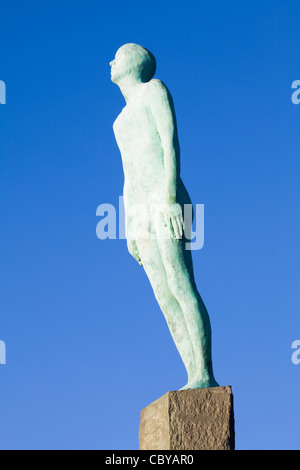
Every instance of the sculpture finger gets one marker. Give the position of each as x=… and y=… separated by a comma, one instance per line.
x=176, y=228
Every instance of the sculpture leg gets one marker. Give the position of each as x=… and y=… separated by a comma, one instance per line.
x=178, y=267
x=154, y=268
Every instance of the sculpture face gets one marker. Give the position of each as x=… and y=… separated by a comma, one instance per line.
x=121, y=65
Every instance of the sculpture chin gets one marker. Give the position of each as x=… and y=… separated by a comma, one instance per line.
x=114, y=78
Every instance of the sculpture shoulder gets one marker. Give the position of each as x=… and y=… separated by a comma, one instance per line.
x=156, y=89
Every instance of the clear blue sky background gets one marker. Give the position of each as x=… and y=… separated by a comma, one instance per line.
x=87, y=346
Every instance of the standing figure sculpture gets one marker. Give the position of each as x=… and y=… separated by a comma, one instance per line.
x=146, y=134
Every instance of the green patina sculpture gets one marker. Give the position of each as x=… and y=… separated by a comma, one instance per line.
x=146, y=133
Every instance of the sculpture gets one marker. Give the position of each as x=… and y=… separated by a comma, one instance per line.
x=146, y=134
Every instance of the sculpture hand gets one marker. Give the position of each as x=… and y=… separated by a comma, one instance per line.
x=132, y=248
x=173, y=218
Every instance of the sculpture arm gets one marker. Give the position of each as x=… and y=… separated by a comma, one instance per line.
x=162, y=110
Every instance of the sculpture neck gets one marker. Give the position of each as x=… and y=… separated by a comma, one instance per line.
x=128, y=86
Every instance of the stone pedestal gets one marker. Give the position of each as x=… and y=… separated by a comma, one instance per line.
x=200, y=419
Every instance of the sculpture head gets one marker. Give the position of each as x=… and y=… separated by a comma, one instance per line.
x=132, y=59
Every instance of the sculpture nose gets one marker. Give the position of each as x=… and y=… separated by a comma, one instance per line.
x=111, y=63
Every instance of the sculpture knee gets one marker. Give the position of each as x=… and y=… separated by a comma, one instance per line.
x=181, y=288
x=176, y=279
x=163, y=295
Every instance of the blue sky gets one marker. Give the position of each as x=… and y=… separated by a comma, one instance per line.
x=87, y=346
